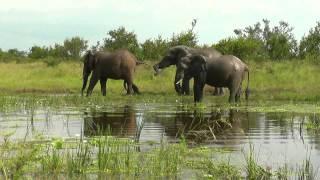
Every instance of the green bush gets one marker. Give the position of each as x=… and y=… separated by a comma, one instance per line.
x=310, y=44
x=244, y=48
x=51, y=61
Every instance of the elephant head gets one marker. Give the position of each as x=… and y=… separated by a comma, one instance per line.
x=173, y=57
x=196, y=67
x=88, y=66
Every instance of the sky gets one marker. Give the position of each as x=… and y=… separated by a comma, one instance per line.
x=24, y=23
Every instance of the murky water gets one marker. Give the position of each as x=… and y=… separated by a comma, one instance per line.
x=277, y=138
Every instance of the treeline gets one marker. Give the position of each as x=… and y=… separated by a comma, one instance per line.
x=257, y=42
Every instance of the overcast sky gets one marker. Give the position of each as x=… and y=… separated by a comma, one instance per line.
x=24, y=23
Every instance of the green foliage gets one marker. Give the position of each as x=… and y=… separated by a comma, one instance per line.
x=188, y=38
x=75, y=46
x=16, y=53
x=58, y=51
x=37, y=52
x=254, y=42
x=244, y=48
x=154, y=49
x=121, y=39
x=310, y=44
x=280, y=42
x=51, y=62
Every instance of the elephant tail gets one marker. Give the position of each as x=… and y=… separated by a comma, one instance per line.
x=247, y=88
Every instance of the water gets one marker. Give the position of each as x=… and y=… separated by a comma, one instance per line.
x=277, y=138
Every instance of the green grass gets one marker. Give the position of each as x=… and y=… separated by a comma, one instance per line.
x=286, y=80
x=110, y=157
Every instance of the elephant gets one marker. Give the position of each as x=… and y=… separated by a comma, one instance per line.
x=225, y=71
x=109, y=65
x=174, y=56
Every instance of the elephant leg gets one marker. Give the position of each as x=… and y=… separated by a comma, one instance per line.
x=103, y=84
x=185, y=86
x=93, y=81
x=218, y=91
x=135, y=89
x=234, y=90
x=198, y=90
x=232, y=95
x=129, y=83
x=238, y=94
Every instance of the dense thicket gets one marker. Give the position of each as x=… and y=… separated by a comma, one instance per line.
x=257, y=42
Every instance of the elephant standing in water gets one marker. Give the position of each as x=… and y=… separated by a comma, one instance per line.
x=174, y=57
x=104, y=65
x=225, y=71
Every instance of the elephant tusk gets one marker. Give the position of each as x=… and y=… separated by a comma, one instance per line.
x=178, y=82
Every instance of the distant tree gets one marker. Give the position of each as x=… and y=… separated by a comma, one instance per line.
x=37, y=52
x=154, y=49
x=281, y=43
x=252, y=32
x=75, y=46
x=278, y=42
x=58, y=51
x=187, y=38
x=310, y=44
x=121, y=39
x=16, y=53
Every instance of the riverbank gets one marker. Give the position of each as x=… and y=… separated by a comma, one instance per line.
x=286, y=80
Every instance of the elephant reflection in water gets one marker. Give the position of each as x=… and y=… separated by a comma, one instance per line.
x=121, y=124
x=203, y=127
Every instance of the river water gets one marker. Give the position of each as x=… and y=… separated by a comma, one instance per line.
x=276, y=138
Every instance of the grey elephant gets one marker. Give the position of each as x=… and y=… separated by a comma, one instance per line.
x=225, y=71
x=174, y=57
x=106, y=65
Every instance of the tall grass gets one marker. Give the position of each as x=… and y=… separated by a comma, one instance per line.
x=285, y=80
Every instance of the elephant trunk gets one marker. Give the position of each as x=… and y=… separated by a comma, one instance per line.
x=85, y=80
x=199, y=82
x=156, y=69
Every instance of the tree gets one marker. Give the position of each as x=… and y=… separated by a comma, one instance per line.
x=58, y=51
x=121, y=39
x=16, y=53
x=310, y=44
x=37, y=52
x=279, y=43
x=75, y=46
x=187, y=38
x=154, y=49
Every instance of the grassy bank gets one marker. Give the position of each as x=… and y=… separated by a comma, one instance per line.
x=287, y=80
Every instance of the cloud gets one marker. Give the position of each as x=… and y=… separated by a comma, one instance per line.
x=45, y=22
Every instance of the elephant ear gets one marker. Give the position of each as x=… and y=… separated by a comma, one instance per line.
x=201, y=61
x=92, y=60
x=185, y=62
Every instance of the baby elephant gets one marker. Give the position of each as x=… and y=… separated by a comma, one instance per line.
x=225, y=71
x=106, y=65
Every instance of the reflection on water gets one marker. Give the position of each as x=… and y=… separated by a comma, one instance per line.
x=277, y=137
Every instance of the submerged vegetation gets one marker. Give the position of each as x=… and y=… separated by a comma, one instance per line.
x=107, y=157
